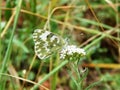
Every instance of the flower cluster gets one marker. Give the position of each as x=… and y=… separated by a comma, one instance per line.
x=71, y=51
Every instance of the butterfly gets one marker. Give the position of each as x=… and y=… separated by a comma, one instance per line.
x=46, y=43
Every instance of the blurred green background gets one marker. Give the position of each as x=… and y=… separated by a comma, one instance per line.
x=89, y=24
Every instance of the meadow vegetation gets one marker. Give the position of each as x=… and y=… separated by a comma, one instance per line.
x=93, y=25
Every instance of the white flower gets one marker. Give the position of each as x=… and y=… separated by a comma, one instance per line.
x=71, y=51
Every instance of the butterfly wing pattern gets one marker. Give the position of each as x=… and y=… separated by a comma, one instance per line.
x=46, y=43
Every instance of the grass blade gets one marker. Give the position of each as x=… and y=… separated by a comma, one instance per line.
x=11, y=38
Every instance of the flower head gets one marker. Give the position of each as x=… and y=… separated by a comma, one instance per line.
x=71, y=51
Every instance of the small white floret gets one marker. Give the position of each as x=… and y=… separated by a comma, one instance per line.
x=71, y=50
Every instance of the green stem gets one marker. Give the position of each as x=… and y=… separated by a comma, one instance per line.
x=54, y=78
x=11, y=38
x=0, y=29
x=50, y=74
x=94, y=42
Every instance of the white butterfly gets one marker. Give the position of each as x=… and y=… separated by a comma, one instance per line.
x=46, y=43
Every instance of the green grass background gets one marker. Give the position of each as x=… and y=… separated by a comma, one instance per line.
x=89, y=24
